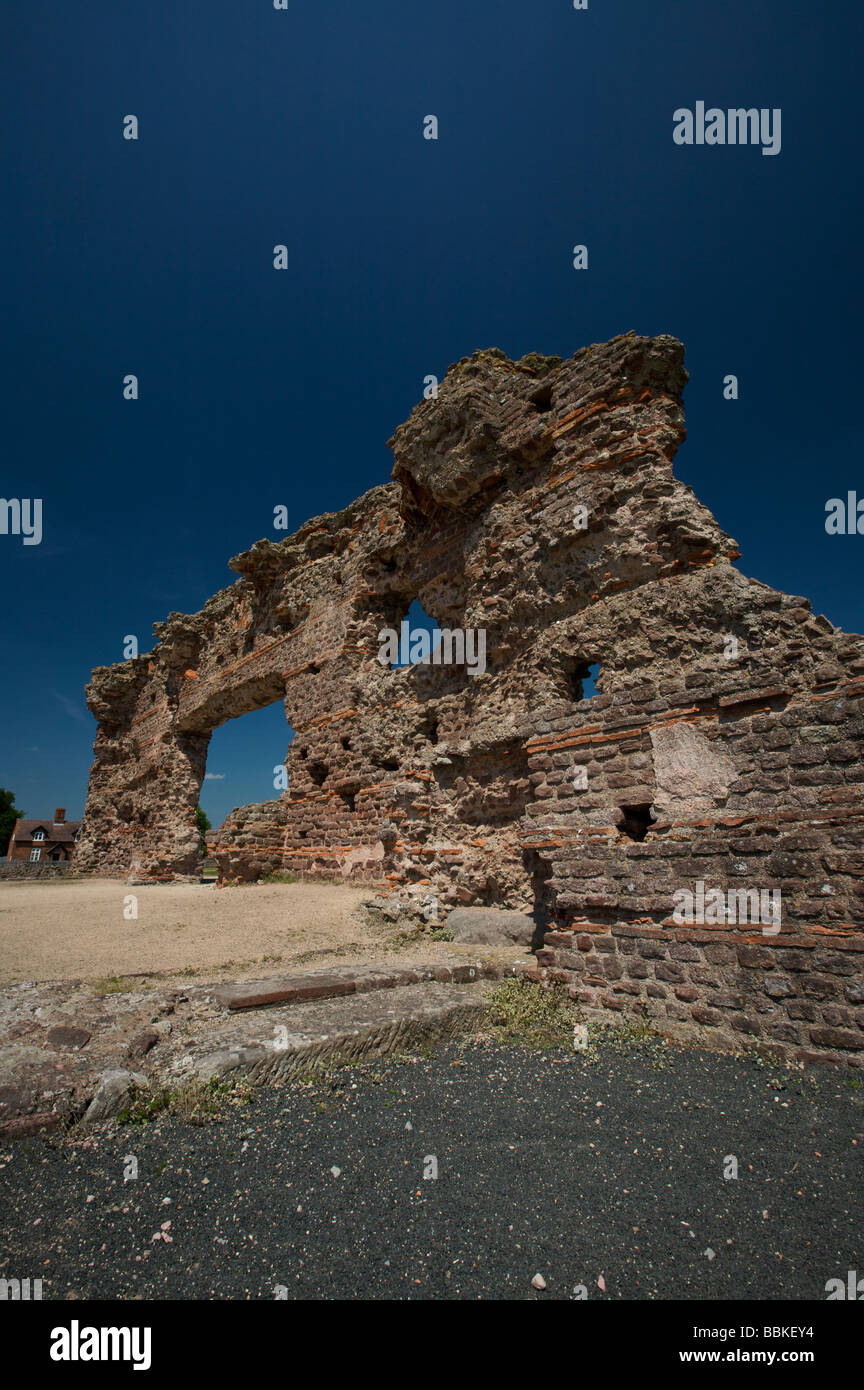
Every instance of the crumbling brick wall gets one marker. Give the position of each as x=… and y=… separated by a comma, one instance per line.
x=534, y=500
x=750, y=771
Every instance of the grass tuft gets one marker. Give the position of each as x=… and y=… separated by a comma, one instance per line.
x=197, y=1102
x=531, y=1016
x=116, y=984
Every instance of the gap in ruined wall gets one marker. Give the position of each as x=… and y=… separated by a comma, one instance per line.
x=581, y=679
x=419, y=621
x=388, y=612
x=588, y=680
x=241, y=759
x=318, y=771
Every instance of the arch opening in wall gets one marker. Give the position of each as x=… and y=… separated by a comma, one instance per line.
x=243, y=756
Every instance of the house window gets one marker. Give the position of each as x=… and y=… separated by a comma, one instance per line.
x=35, y=854
x=39, y=835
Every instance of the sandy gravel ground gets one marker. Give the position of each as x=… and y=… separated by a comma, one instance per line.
x=76, y=930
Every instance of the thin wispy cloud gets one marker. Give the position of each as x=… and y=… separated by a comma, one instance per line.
x=71, y=707
x=214, y=776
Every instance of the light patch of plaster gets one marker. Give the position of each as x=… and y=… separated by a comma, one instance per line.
x=692, y=774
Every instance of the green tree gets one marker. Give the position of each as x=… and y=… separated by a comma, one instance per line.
x=203, y=826
x=9, y=813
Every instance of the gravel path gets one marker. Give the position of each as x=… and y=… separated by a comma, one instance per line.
x=607, y=1167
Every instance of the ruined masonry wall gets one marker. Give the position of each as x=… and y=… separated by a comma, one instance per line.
x=723, y=746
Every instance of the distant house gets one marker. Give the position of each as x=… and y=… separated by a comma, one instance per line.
x=44, y=841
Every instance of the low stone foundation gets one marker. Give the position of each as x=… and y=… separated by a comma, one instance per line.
x=800, y=998
x=22, y=868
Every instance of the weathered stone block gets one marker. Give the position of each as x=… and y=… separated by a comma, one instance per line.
x=478, y=926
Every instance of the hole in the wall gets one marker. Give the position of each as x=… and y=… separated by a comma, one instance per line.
x=429, y=728
x=242, y=756
x=582, y=680
x=416, y=635
x=386, y=764
x=318, y=772
x=589, y=681
x=346, y=744
x=350, y=799
x=636, y=820
x=542, y=399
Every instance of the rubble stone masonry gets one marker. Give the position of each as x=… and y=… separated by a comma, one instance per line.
x=723, y=746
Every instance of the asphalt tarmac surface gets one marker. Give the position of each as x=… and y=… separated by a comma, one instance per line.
x=462, y=1175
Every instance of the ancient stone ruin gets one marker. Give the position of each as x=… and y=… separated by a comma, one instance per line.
x=534, y=501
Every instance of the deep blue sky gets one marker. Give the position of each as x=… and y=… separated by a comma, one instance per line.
x=260, y=387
